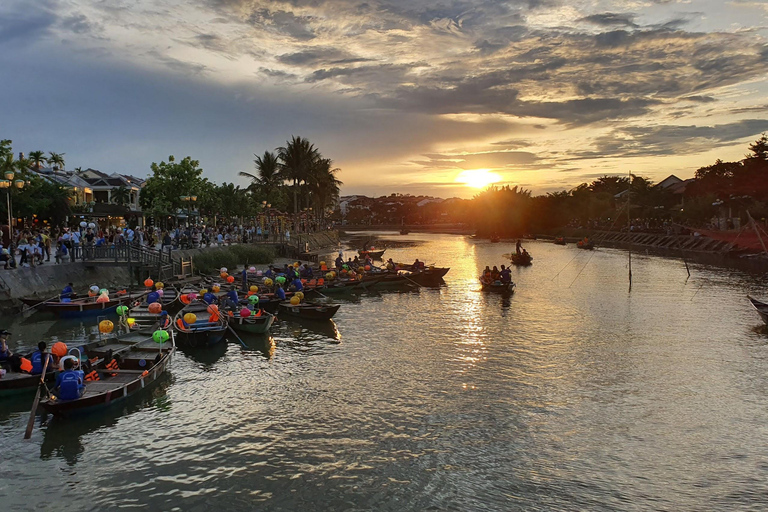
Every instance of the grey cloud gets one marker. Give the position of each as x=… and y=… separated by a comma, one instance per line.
x=78, y=23
x=672, y=139
x=611, y=19
x=283, y=22
x=25, y=27
x=317, y=56
x=177, y=65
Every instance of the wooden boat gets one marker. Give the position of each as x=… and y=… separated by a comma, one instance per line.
x=559, y=241
x=523, y=259
x=20, y=382
x=495, y=239
x=588, y=245
x=141, y=363
x=254, y=324
x=404, y=231
x=204, y=332
x=760, y=307
x=309, y=311
x=375, y=255
x=431, y=276
x=88, y=306
x=145, y=320
x=497, y=286
x=394, y=281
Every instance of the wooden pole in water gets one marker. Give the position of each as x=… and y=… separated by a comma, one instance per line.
x=629, y=228
x=31, y=422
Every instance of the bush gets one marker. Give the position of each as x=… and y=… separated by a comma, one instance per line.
x=211, y=260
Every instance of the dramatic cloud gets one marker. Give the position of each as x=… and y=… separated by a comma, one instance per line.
x=596, y=83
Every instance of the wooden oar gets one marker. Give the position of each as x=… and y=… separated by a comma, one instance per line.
x=31, y=422
x=28, y=308
x=236, y=336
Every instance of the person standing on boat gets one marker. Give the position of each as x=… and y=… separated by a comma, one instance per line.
x=38, y=359
x=279, y=292
x=70, y=382
x=339, y=262
x=519, y=247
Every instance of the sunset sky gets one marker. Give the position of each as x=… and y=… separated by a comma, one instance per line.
x=432, y=96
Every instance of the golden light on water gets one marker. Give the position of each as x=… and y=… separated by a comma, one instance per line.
x=477, y=178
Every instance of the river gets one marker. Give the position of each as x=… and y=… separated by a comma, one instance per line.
x=572, y=394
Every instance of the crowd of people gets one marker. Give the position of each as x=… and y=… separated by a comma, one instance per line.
x=29, y=247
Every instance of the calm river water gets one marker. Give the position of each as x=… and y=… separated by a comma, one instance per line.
x=573, y=394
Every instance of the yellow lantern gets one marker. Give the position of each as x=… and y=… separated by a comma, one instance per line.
x=106, y=326
x=300, y=295
x=215, y=288
x=159, y=285
x=130, y=322
x=295, y=301
x=254, y=288
x=190, y=318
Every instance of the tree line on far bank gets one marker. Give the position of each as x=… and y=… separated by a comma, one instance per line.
x=723, y=189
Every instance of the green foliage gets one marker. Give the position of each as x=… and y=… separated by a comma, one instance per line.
x=169, y=182
x=120, y=195
x=210, y=260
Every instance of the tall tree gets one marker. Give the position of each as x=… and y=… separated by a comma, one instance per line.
x=325, y=186
x=267, y=177
x=56, y=160
x=297, y=158
x=170, y=181
x=37, y=158
x=120, y=195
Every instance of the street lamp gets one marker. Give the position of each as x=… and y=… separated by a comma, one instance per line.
x=6, y=184
x=188, y=200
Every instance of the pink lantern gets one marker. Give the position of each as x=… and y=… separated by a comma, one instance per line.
x=192, y=296
x=245, y=312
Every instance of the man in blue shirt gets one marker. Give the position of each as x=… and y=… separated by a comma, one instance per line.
x=67, y=292
x=279, y=292
x=297, y=286
x=38, y=360
x=70, y=383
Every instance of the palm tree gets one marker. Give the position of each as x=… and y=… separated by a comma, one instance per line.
x=56, y=160
x=268, y=177
x=120, y=195
x=325, y=186
x=296, y=161
x=37, y=158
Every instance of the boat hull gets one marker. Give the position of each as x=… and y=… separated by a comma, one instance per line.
x=309, y=311
x=252, y=325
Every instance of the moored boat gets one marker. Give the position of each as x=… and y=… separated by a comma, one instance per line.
x=761, y=308
x=207, y=329
x=309, y=311
x=124, y=366
x=87, y=306
x=375, y=255
x=257, y=323
x=559, y=241
x=585, y=244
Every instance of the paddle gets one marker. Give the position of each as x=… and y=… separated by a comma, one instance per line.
x=236, y=336
x=31, y=422
x=43, y=302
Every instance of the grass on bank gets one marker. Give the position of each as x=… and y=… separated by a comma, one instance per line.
x=210, y=261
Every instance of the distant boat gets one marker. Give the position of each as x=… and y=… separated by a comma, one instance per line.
x=404, y=231
x=559, y=241
x=495, y=239
x=586, y=244
x=761, y=308
x=523, y=259
x=497, y=286
x=375, y=255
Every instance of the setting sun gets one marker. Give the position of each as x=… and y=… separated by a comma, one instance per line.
x=478, y=178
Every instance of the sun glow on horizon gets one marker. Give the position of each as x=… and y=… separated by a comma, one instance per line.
x=477, y=178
